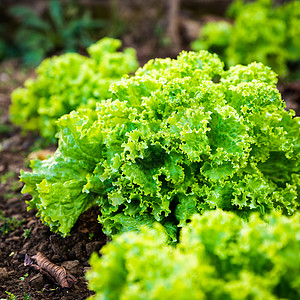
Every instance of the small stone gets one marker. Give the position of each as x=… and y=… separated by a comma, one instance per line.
x=37, y=282
x=70, y=264
x=92, y=247
x=3, y=273
x=78, y=250
x=73, y=266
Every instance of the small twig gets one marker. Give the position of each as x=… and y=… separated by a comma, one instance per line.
x=46, y=267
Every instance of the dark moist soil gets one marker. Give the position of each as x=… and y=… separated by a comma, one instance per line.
x=21, y=232
x=71, y=252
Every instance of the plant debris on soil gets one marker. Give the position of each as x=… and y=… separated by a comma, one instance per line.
x=56, y=273
x=22, y=234
x=71, y=253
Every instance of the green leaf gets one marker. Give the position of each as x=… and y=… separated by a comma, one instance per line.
x=56, y=185
x=29, y=18
x=55, y=10
x=219, y=256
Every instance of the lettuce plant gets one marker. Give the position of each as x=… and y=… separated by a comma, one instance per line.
x=260, y=32
x=219, y=256
x=68, y=82
x=181, y=136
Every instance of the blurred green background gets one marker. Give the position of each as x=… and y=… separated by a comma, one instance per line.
x=31, y=30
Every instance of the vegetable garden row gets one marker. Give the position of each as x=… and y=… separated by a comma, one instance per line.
x=194, y=163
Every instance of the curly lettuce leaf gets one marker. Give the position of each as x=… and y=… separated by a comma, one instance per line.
x=56, y=186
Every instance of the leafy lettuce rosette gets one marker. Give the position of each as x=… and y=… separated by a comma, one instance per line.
x=68, y=82
x=180, y=137
x=219, y=256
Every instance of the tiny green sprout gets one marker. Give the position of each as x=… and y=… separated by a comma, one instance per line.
x=11, y=296
x=8, y=225
x=91, y=235
x=26, y=297
x=23, y=277
x=27, y=232
x=6, y=176
x=41, y=291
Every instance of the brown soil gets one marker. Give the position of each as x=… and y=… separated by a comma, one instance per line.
x=291, y=94
x=21, y=232
x=71, y=252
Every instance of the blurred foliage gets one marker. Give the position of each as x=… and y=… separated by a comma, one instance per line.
x=7, y=225
x=63, y=26
x=68, y=82
x=261, y=31
x=219, y=257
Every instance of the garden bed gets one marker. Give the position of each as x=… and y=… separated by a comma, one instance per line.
x=22, y=232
